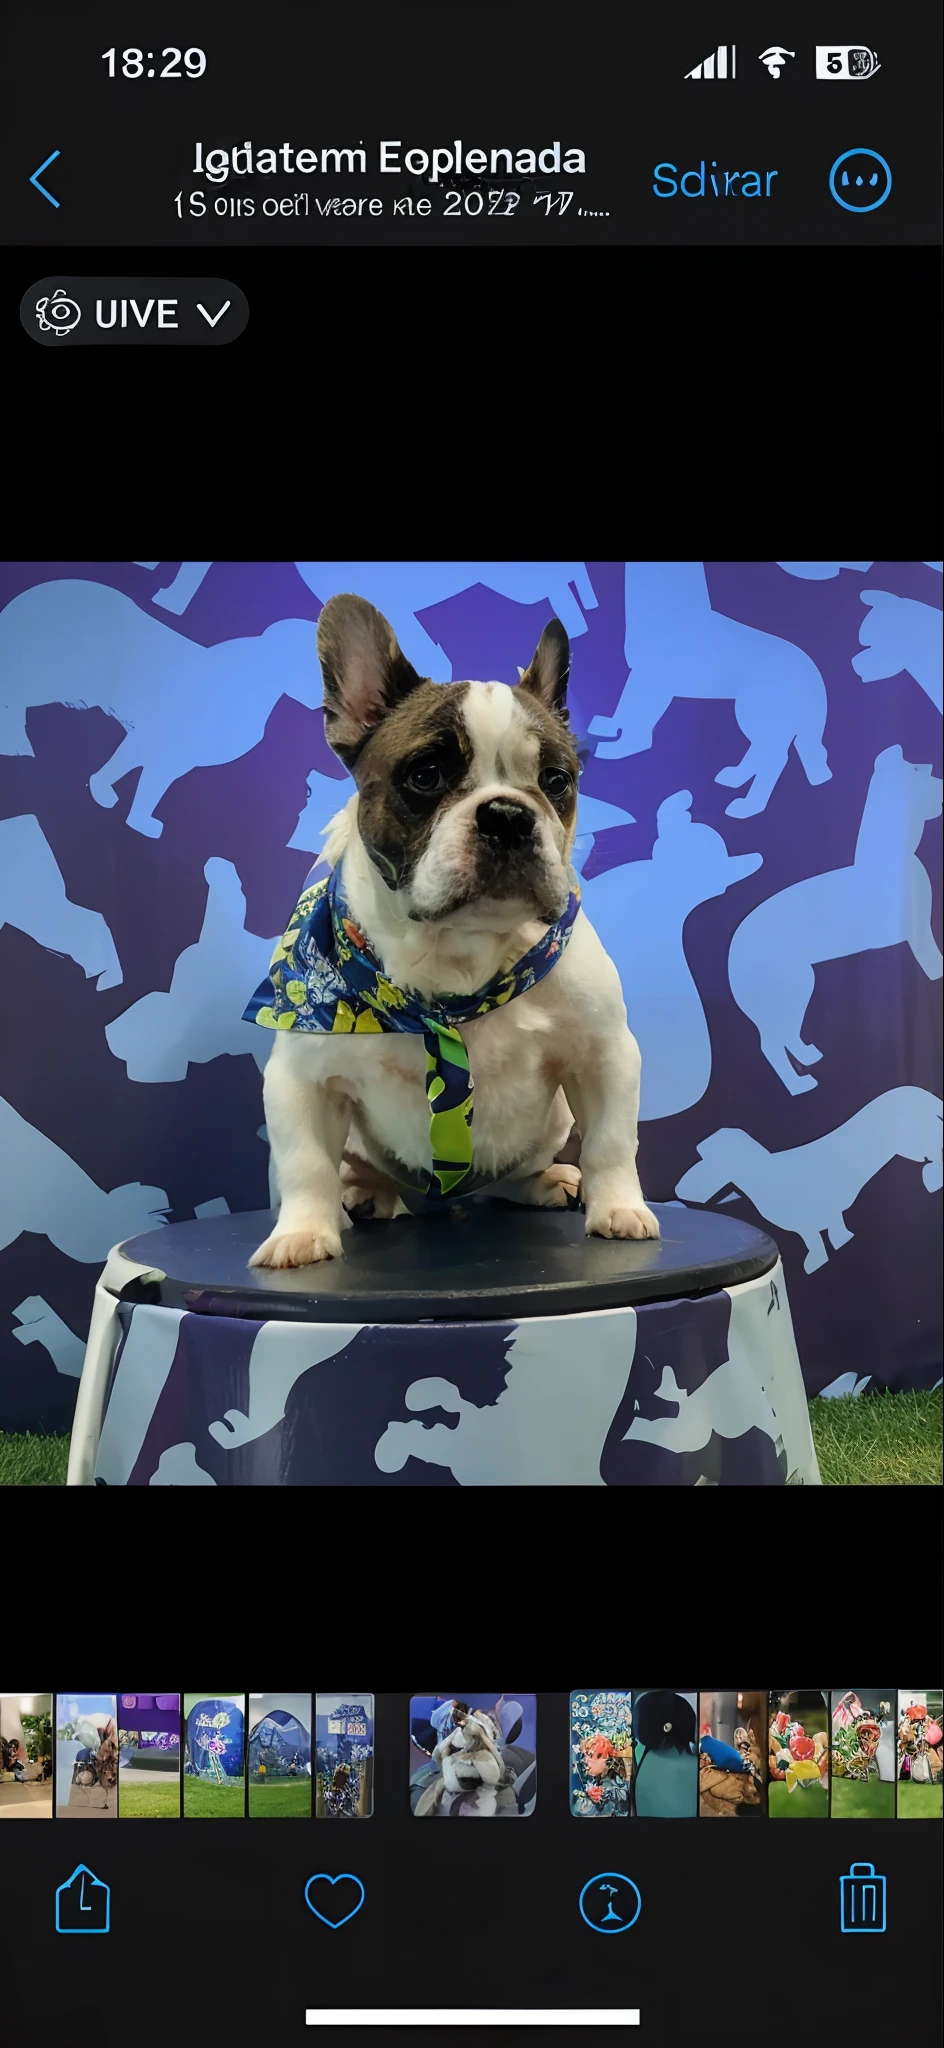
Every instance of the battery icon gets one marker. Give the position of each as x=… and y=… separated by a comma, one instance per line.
x=862, y=1901
x=849, y=61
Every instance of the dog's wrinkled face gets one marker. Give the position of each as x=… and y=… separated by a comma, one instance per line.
x=467, y=791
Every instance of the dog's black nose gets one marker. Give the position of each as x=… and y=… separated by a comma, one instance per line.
x=505, y=821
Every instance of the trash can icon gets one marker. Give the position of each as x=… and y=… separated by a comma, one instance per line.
x=862, y=1900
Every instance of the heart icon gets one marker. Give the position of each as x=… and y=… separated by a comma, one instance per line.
x=335, y=1907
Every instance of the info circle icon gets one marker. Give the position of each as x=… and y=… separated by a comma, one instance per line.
x=610, y=1903
x=860, y=180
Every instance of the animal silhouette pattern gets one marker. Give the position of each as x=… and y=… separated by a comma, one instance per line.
x=759, y=847
x=33, y=897
x=639, y=911
x=42, y=1189
x=678, y=645
x=808, y=1188
x=883, y=899
x=199, y=1017
x=39, y=1324
x=522, y=1414
x=899, y=635
x=184, y=706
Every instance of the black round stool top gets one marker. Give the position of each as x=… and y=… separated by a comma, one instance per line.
x=488, y=1259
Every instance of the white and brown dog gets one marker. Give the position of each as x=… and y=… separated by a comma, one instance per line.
x=455, y=854
x=470, y=1760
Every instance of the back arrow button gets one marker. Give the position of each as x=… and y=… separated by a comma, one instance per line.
x=37, y=174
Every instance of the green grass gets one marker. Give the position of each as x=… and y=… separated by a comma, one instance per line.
x=920, y=1802
x=878, y=1439
x=854, y=1800
x=872, y=1440
x=290, y=1797
x=213, y=1802
x=33, y=1460
x=155, y=1799
x=799, y=1804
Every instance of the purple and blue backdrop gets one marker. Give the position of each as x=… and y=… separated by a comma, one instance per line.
x=153, y=1717
x=760, y=841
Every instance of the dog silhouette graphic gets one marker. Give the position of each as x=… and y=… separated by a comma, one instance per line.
x=402, y=589
x=200, y=1016
x=548, y=1425
x=33, y=898
x=43, y=1190
x=639, y=912
x=807, y=1188
x=883, y=899
x=677, y=646
x=279, y=1357
x=39, y=1324
x=184, y=706
x=899, y=635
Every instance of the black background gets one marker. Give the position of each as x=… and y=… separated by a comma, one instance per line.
x=747, y=403
x=738, y=1933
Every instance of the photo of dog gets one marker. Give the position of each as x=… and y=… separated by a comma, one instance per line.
x=472, y=1757
x=454, y=857
x=86, y=1756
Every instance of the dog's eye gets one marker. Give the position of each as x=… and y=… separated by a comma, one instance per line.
x=555, y=782
x=425, y=776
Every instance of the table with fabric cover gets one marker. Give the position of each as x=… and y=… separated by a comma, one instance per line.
x=487, y=1346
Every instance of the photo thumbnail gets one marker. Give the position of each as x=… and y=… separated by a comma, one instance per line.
x=86, y=1756
x=732, y=1773
x=214, y=1755
x=920, y=1790
x=665, y=1774
x=601, y=1754
x=473, y=1754
x=280, y=1755
x=344, y=1742
x=25, y=1756
x=862, y=1755
x=798, y=1756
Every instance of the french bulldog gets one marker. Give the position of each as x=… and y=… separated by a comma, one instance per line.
x=455, y=853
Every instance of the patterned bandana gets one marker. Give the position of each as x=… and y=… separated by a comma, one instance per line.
x=324, y=977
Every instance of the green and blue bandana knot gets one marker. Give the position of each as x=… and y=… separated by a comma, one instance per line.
x=323, y=976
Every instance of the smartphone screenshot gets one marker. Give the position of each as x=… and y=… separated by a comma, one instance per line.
x=470, y=1014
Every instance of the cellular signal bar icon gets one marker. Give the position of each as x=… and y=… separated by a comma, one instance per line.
x=717, y=66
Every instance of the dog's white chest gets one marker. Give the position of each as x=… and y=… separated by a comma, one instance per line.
x=514, y=1085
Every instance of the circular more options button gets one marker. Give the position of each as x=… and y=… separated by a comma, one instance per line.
x=73, y=312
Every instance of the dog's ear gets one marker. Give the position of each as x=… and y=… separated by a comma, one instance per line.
x=365, y=672
x=550, y=667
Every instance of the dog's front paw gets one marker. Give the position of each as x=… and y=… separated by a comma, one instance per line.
x=375, y=1203
x=612, y=1219
x=299, y=1247
x=558, y=1187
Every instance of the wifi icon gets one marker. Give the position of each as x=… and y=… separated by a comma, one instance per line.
x=775, y=58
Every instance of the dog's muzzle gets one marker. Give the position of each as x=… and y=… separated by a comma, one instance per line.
x=505, y=824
